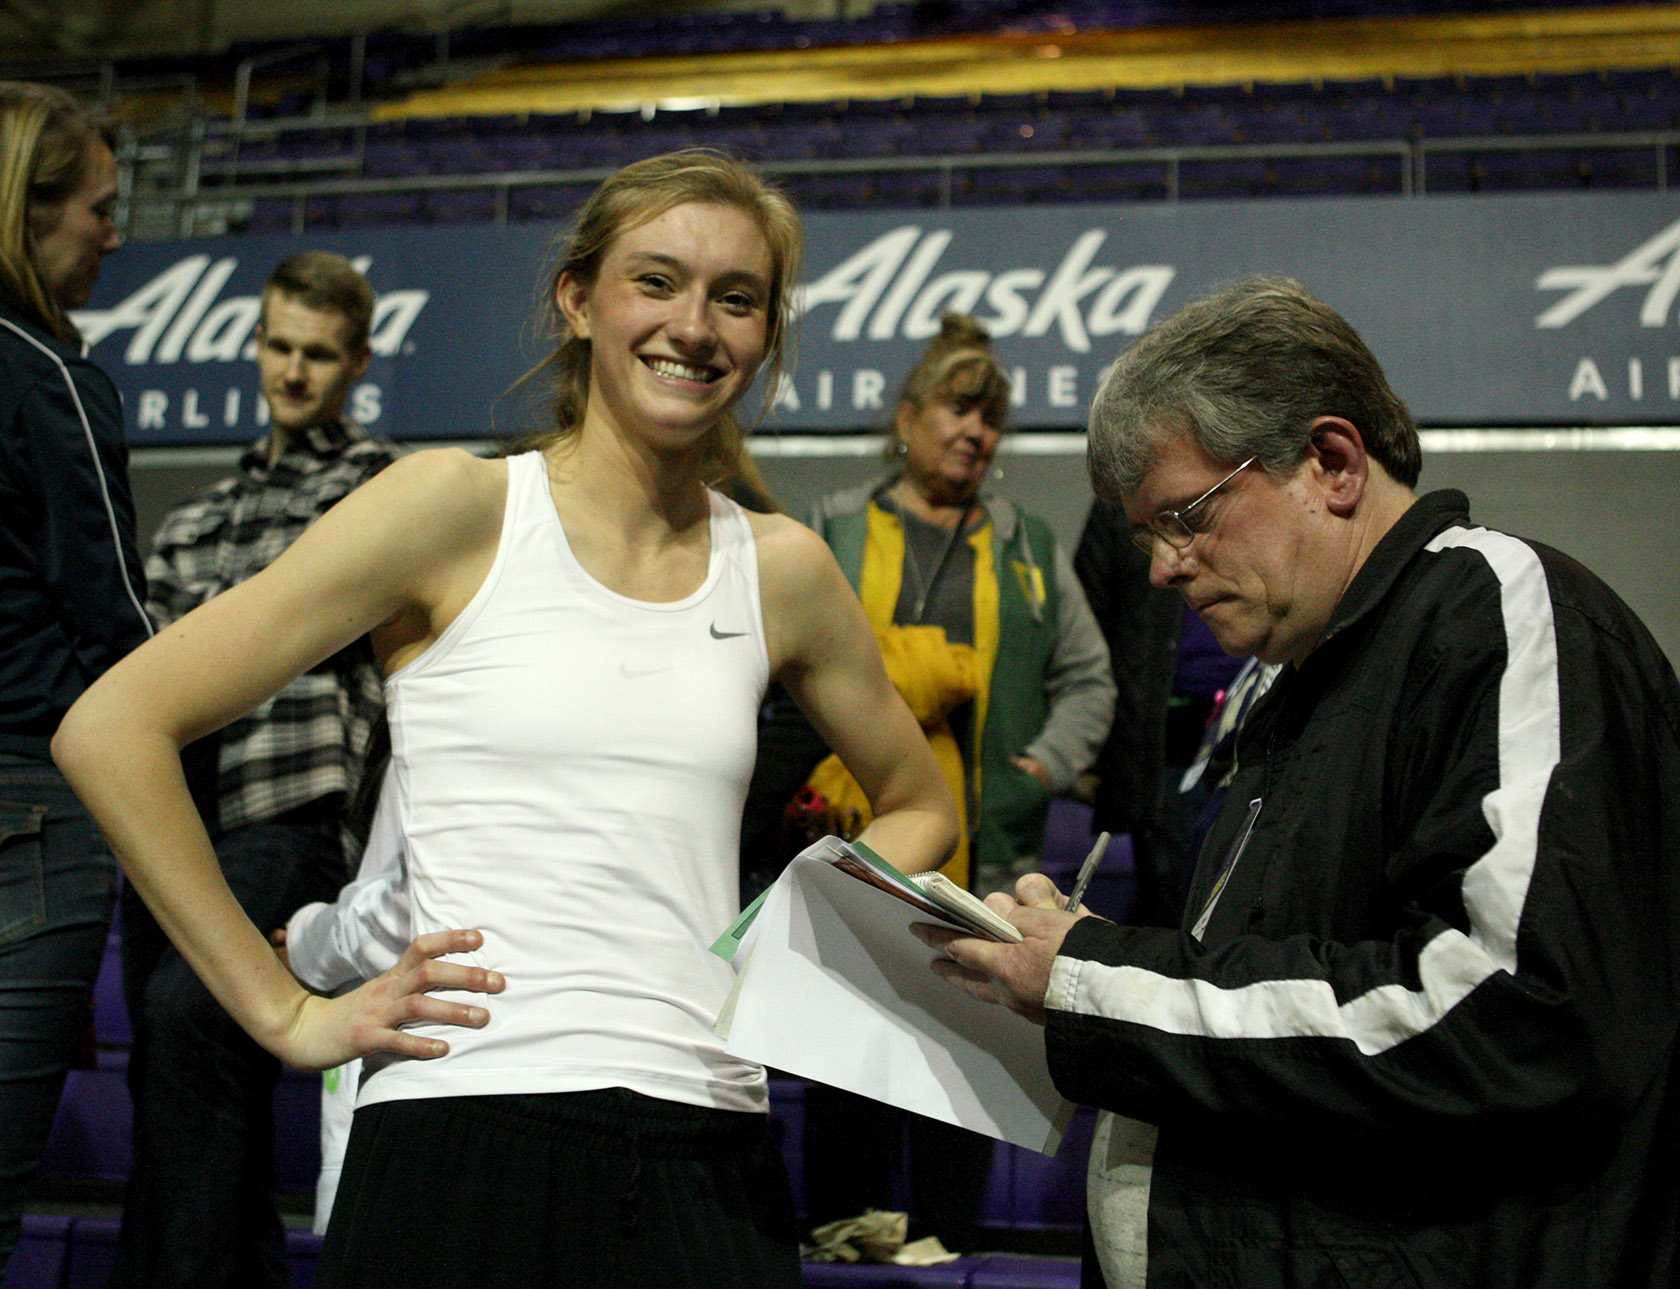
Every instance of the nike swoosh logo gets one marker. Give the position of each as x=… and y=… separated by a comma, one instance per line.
x=725, y=635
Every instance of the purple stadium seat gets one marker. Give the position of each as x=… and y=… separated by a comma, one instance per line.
x=90, y=1140
x=457, y=152
x=926, y=105
x=90, y=1135
x=1446, y=172
x=869, y=135
x=813, y=109
x=460, y=205
x=1078, y=101
x=1311, y=176
x=110, y=1015
x=297, y=1131
x=1067, y=840
x=42, y=1250
x=1197, y=123
x=830, y=192
x=1010, y=1271
x=794, y=140
x=361, y=209
x=1025, y=132
x=1020, y=104
x=1279, y=118
x=317, y=146
x=908, y=188
x=303, y=1251
x=1049, y=1190
x=547, y=201
x=665, y=133
x=787, y=1115
x=1018, y=185
x=91, y=1252
x=254, y=153
x=841, y=1275
x=963, y=132
x=392, y=156
x=1638, y=112
x=1517, y=171
x=997, y=1203
x=1240, y=177
x=1620, y=167
x=1121, y=181
x=1109, y=127
x=270, y=215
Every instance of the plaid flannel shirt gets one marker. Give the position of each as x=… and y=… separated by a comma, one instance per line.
x=307, y=742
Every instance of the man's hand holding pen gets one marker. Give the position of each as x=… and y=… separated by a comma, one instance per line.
x=1015, y=975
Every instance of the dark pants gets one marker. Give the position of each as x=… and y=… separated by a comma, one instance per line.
x=853, y=1145
x=57, y=884
x=200, y=1207
x=606, y=1189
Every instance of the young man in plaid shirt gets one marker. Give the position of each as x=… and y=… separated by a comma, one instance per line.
x=200, y=1205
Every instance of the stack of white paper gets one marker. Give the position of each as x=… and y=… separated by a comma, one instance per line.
x=833, y=986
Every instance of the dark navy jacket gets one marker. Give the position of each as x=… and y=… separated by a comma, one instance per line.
x=72, y=591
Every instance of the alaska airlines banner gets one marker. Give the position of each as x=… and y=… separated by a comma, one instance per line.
x=1527, y=310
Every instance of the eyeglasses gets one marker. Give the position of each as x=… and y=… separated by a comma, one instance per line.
x=1177, y=528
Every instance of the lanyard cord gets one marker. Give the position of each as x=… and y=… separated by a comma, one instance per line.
x=925, y=590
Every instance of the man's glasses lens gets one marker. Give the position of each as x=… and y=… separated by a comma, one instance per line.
x=1170, y=525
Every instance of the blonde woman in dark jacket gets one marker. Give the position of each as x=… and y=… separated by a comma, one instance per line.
x=71, y=597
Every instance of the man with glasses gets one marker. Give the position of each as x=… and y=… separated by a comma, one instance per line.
x=1172, y=683
x=1419, y=1025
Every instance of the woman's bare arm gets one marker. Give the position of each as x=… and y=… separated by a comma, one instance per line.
x=823, y=650
x=398, y=552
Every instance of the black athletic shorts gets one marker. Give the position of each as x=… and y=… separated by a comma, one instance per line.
x=576, y=1189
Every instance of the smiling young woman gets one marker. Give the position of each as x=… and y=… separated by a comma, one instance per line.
x=576, y=641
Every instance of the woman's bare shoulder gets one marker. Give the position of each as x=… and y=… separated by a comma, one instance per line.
x=778, y=529
x=798, y=577
x=786, y=546
x=446, y=490
x=444, y=471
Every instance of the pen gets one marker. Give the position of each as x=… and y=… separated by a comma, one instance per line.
x=1086, y=871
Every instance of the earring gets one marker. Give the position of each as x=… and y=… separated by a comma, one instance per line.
x=902, y=448
x=997, y=472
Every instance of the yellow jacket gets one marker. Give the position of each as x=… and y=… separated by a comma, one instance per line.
x=934, y=676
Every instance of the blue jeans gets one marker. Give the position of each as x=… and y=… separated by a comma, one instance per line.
x=200, y=1206
x=57, y=885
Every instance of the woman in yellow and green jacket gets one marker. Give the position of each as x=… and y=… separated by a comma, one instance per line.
x=983, y=625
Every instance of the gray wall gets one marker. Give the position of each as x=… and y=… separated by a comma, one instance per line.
x=1612, y=510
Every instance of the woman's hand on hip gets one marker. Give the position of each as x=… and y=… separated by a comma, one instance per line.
x=329, y=1031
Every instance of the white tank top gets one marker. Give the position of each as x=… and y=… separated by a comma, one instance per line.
x=570, y=767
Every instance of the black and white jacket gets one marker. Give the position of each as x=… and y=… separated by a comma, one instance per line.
x=1425, y=1035
x=72, y=595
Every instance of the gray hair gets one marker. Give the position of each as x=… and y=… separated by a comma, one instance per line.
x=1245, y=371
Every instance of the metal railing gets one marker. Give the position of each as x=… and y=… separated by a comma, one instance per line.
x=217, y=188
